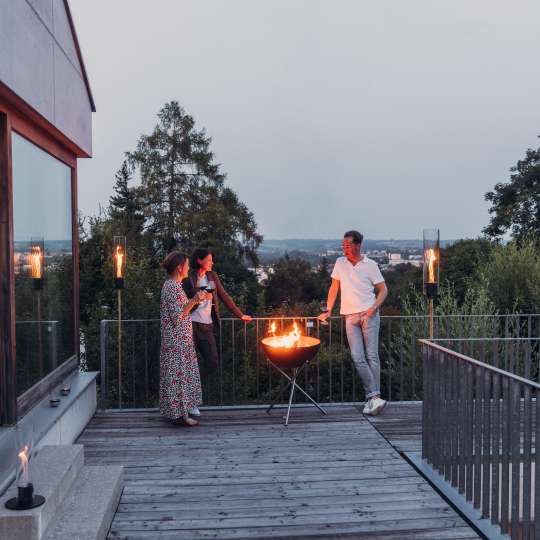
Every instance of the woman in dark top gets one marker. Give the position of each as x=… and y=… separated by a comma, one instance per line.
x=205, y=318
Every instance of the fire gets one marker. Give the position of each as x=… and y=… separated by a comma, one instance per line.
x=23, y=456
x=119, y=261
x=36, y=262
x=292, y=339
x=431, y=259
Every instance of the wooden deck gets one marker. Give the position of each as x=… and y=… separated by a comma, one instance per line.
x=242, y=475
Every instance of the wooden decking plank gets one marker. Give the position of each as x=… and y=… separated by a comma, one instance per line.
x=204, y=505
x=243, y=475
x=294, y=531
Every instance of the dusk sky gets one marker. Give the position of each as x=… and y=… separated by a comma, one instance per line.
x=387, y=117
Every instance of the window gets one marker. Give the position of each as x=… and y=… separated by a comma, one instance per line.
x=42, y=221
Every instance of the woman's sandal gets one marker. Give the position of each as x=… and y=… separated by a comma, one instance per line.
x=186, y=422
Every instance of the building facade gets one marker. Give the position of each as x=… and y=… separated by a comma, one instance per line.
x=46, y=108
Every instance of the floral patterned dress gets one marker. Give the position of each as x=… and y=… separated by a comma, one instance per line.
x=179, y=381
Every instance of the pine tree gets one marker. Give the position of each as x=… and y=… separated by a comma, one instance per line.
x=125, y=206
x=183, y=193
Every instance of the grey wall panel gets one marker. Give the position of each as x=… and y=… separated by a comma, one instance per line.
x=26, y=56
x=73, y=113
x=44, y=9
x=44, y=69
x=62, y=33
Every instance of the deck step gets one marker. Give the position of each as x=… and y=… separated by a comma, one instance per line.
x=53, y=472
x=88, y=510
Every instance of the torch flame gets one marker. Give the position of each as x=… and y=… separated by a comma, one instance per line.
x=292, y=339
x=119, y=260
x=431, y=259
x=23, y=456
x=35, y=260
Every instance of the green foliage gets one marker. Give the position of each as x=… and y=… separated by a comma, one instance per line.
x=461, y=262
x=293, y=282
x=515, y=205
x=512, y=277
x=400, y=280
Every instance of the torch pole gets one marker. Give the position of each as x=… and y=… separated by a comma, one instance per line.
x=430, y=307
x=40, y=336
x=119, y=348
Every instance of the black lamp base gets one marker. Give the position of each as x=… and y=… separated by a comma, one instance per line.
x=431, y=290
x=37, y=284
x=118, y=283
x=25, y=499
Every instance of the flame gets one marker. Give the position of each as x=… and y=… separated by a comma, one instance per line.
x=119, y=261
x=292, y=339
x=431, y=259
x=36, y=262
x=23, y=456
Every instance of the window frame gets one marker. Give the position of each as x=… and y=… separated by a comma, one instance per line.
x=39, y=132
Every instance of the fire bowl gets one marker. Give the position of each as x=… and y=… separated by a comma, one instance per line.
x=292, y=357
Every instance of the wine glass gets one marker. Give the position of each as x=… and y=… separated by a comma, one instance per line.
x=324, y=309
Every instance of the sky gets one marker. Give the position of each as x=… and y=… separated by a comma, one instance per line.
x=387, y=117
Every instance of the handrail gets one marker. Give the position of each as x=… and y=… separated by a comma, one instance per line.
x=470, y=360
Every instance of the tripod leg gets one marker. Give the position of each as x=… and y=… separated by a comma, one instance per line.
x=310, y=398
x=293, y=385
x=280, y=393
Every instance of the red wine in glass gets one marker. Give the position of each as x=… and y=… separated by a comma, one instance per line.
x=324, y=309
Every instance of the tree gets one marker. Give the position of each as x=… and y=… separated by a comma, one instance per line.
x=183, y=193
x=512, y=277
x=125, y=207
x=461, y=261
x=294, y=282
x=515, y=205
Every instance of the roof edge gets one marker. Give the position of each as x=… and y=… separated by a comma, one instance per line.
x=79, y=55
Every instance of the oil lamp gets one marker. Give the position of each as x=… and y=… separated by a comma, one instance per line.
x=119, y=261
x=36, y=269
x=431, y=270
x=35, y=261
x=119, y=268
x=25, y=498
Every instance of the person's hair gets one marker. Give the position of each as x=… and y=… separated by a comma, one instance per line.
x=173, y=260
x=357, y=237
x=198, y=255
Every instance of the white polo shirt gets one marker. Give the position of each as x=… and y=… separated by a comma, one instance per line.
x=357, y=284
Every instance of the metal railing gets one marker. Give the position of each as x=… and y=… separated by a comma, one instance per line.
x=481, y=421
x=244, y=377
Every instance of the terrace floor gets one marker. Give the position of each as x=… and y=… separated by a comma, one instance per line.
x=242, y=475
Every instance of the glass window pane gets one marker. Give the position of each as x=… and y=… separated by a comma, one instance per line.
x=43, y=262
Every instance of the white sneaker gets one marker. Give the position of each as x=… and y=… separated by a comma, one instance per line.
x=377, y=406
x=194, y=412
x=367, y=406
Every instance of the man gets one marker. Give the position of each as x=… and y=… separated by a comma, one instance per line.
x=205, y=318
x=363, y=291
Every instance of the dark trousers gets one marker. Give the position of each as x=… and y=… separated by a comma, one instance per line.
x=205, y=343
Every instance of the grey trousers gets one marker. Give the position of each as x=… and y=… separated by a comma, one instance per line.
x=363, y=336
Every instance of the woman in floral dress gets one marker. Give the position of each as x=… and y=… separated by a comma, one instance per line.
x=180, y=383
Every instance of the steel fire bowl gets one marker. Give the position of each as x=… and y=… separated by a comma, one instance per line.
x=293, y=357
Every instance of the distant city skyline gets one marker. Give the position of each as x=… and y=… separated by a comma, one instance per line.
x=384, y=117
